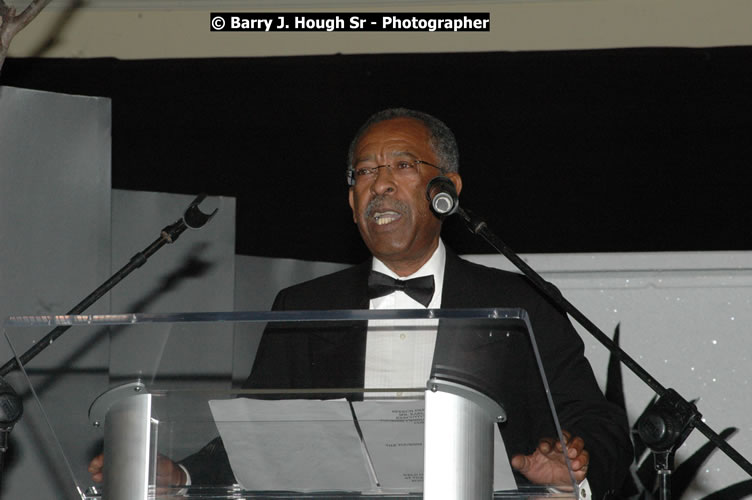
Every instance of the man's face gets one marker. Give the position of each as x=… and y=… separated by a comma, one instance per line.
x=390, y=208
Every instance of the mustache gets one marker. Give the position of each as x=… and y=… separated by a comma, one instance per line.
x=382, y=203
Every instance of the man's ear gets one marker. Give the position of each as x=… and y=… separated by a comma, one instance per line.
x=352, y=203
x=456, y=180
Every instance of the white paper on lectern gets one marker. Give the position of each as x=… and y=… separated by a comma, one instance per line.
x=503, y=475
x=393, y=433
x=292, y=445
x=312, y=445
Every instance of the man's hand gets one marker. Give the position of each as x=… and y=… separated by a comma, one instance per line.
x=546, y=465
x=95, y=468
x=168, y=472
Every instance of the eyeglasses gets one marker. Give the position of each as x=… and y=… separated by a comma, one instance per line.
x=400, y=168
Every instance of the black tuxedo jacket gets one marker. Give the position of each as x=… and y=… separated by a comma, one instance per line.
x=498, y=363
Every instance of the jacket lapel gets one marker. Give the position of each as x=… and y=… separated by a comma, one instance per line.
x=339, y=356
x=454, y=293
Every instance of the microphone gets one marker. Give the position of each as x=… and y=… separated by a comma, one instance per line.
x=443, y=196
x=194, y=217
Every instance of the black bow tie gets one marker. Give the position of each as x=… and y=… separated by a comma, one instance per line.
x=419, y=289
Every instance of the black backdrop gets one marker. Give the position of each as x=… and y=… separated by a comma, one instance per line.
x=571, y=151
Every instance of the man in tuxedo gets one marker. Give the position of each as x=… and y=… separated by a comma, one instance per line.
x=392, y=158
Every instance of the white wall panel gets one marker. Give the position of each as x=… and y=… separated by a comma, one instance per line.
x=54, y=250
x=686, y=318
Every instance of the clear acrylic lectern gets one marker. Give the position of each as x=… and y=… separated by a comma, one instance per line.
x=319, y=417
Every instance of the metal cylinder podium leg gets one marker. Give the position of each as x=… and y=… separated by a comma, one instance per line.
x=125, y=412
x=459, y=438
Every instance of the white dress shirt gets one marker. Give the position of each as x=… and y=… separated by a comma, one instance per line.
x=399, y=353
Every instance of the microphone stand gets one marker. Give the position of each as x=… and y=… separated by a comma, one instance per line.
x=668, y=422
x=11, y=407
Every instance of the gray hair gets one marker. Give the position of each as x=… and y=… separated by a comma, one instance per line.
x=442, y=139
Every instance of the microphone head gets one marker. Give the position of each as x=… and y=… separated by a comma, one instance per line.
x=442, y=194
x=194, y=217
x=443, y=204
